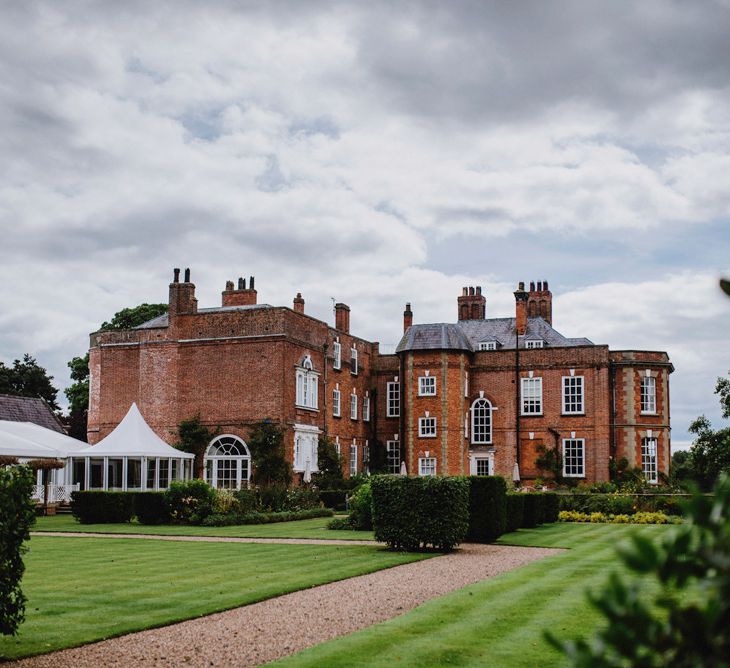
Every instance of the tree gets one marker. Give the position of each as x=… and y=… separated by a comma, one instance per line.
x=549, y=461
x=723, y=389
x=682, y=469
x=27, y=378
x=194, y=437
x=266, y=444
x=710, y=452
x=674, y=607
x=329, y=464
x=129, y=318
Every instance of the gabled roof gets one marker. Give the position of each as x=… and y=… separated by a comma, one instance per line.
x=29, y=409
x=466, y=335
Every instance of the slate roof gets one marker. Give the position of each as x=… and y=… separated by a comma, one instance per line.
x=164, y=321
x=466, y=335
x=29, y=409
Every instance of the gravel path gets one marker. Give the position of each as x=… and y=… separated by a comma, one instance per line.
x=265, y=631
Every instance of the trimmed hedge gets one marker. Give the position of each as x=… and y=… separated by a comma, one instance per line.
x=220, y=520
x=151, y=508
x=551, y=502
x=622, y=504
x=534, y=513
x=487, y=508
x=97, y=507
x=515, y=511
x=333, y=498
x=414, y=514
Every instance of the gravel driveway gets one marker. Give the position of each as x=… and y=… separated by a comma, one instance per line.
x=261, y=632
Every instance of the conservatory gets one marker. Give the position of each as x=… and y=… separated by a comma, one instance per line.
x=130, y=458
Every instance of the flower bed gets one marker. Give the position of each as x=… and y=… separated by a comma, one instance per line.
x=603, y=518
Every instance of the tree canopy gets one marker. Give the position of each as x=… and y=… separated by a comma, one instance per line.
x=128, y=318
x=26, y=378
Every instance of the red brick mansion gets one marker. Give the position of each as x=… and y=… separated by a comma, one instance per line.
x=480, y=395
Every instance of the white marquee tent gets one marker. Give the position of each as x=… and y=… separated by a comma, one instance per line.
x=131, y=457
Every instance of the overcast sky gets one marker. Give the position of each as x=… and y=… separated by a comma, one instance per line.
x=373, y=152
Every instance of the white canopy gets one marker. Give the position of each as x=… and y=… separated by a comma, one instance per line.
x=132, y=437
x=62, y=445
x=12, y=445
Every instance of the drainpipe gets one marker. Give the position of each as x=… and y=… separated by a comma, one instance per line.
x=326, y=390
x=517, y=396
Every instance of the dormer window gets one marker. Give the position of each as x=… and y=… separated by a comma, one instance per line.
x=307, y=384
x=534, y=343
x=487, y=345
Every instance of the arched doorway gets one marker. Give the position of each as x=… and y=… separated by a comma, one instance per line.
x=227, y=463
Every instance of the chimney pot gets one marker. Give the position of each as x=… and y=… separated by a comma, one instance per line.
x=521, y=286
x=479, y=289
x=299, y=303
x=342, y=317
x=250, y=283
x=407, y=318
x=176, y=275
x=532, y=286
x=187, y=275
x=465, y=291
x=241, y=284
x=229, y=286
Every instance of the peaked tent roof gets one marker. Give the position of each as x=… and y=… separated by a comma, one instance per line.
x=29, y=409
x=12, y=445
x=47, y=438
x=133, y=437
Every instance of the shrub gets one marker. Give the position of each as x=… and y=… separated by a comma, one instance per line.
x=361, y=509
x=333, y=498
x=534, y=512
x=17, y=514
x=622, y=504
x=551, y=502
x=151, y=508
x=487, y=508
x=247, y=501
x=225, y=501
x=272, y=498
x=414, y=513
x=301, y=498
x=219, y=520
x=515, y=511
x=270, y=466
x=339, y=524
x=190, y=502
x=601, y=518
x=97, y=507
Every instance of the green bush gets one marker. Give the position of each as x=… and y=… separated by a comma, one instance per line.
x=333, y=498
x=416, y=513
x=151, y=508
x=17, y=514
x=219, y=520
x=534, y=513
x=487, y=508
x=248, y=501
x=622, y=504
x=551, y=502
x=272, y=498
x=98, y=507
x=515, y=511
x=190, y=502
x=301, y=498
x=361, y=508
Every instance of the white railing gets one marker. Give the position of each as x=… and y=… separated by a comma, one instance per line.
x=56, y=493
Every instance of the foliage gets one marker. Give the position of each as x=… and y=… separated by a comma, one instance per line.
x=225, y=501
x=361, y=508
x=194, y=437
x=710, y=453
x=189, y=502
x=97, y=507
x=378, y=462
x=673, y=610
x=416, y=513
x=27, y=379
x=272, y=498
x=229, y=519
x=534, y=511
x=301, y=498
x=621, y=518
x=17, y=514
x=515, y=511
x=681, y=469
x=722, y=388
x=270, y=466
x=78, y=397
x=622, y=504
x=128, y=318
x=333, y=498
x=550, y=462
x=626, y=477
x=247, y=501
x=551, y=501
x=329, y=464
x=487, y=508
x=151, y=508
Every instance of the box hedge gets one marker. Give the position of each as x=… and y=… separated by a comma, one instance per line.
x=551, y=503
x=487, y=508
x=515, y=511
x=534, y=513
x=622, y=504
x=333, y=498
x=151, y=508
x=414, y=514
x=97, y=507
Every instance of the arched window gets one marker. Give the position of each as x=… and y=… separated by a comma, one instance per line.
x=481, y=422
x=227, y=462
x=307, y=384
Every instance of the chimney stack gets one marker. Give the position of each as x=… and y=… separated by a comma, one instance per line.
x=540, y=302
x=181, y=295
x=241, y=296
x=342, y=318
x=299, y=303
x=521, y=309
x=472, y=304
x=187, y=275
x=407, y=318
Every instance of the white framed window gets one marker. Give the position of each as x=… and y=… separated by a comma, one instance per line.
x=487, y=345
x=307, y=385
x=532, y=396
x=353, y=459
x=426, y=386
x=392, y=454
x=306, y=441
x=481, y=421
x=337, y=446
x=336, y=355
x=426, y=466
x=353, y=361
x=336, y=403
x=353, y=406
x=574, y=451
x=366, y=408
x=483, y=466
x=534, y=343
x=393, y=407
x=427, y=427
x=648, y=394
x=226, y=463
x=649, y=459
x=573, y=395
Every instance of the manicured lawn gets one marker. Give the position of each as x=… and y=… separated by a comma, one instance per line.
x=313, y=529
x=497, y=622
x=85, y=589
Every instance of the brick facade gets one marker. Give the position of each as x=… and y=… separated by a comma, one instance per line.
x=237, y=364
